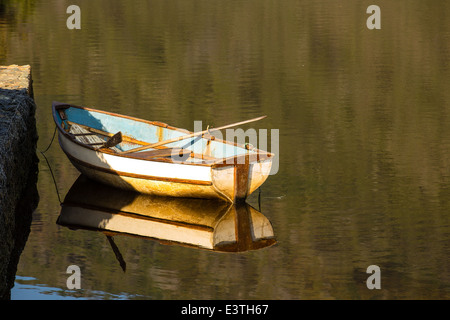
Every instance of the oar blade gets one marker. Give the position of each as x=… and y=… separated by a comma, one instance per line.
x=113, y=141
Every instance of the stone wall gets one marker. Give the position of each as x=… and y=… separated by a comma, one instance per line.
x=18, y=168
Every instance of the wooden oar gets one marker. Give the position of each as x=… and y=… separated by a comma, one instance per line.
x=191, y=135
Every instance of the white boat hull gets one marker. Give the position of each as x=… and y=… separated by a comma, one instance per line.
x=165, y=178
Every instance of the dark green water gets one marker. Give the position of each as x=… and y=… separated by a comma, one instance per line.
x=364, y=140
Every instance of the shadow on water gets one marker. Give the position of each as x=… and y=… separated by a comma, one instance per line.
x=196, y=223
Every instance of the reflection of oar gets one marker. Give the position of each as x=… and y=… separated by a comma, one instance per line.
x=191, y=135
x=119, y=257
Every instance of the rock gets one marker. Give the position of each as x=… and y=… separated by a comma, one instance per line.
x=18, y=168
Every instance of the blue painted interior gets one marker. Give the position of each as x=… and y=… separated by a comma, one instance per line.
x=147, y=132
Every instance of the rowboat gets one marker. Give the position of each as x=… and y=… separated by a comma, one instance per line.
x=208, y=224
x=155, y=158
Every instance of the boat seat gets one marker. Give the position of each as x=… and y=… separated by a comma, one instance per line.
x=86, y=137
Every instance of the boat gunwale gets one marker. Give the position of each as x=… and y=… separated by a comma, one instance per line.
x=260, y=155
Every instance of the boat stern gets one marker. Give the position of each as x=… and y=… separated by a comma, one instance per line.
x=235, y=179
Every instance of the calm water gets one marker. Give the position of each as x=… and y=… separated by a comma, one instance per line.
x=364, y=150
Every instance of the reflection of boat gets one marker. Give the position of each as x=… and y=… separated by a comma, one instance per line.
x=108, y=147
x=200, y=223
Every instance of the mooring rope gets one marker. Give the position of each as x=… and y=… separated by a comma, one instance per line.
x=49, y=166
x=54, y=134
